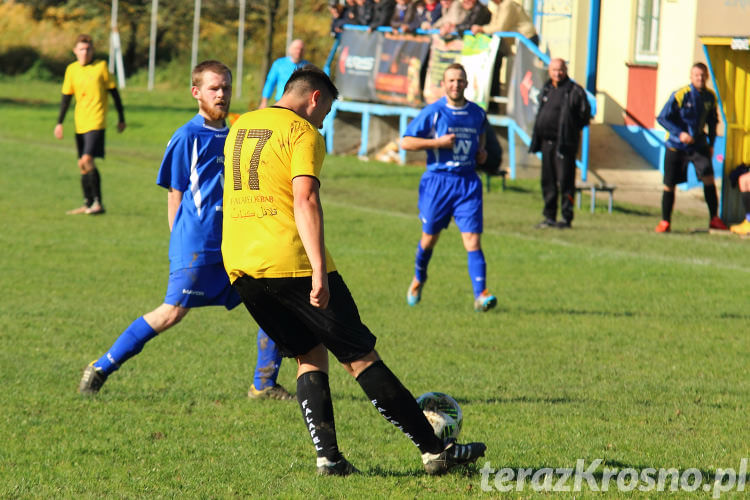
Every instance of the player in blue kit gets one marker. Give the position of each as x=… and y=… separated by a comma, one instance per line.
x=192, y=172
x=451, y=131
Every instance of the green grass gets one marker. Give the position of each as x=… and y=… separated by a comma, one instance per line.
x=609, y=342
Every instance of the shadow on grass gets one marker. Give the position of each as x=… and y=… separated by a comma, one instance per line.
x=21, y=102
x=27, y=102
x=577, y=312
x=520, y=399
x=517, y=189
x=633, y=211
x=471, y=470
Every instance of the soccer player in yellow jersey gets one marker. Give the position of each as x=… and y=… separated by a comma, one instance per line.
x=89, y=81
x=275, y=255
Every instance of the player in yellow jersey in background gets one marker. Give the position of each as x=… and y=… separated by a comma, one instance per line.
x=89, y=81
x=274, y=253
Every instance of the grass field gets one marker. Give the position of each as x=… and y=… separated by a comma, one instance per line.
x=610, y=342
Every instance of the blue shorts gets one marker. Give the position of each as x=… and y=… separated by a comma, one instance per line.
x=443, y=195
x=201, y=286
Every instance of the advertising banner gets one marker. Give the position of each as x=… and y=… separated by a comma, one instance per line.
x=399, y=69
x=355, y=70
x=526, y=82
x=478, y=58
x=442, y=54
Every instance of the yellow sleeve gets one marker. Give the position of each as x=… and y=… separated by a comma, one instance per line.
x=308, y=154
x=107, y=80
x=67, y=87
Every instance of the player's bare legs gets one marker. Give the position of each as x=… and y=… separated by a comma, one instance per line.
x=165, y=316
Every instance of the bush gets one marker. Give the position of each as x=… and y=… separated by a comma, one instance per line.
x=39, y=71
x=18, y=60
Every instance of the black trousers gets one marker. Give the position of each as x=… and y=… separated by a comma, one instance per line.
x=558, y=178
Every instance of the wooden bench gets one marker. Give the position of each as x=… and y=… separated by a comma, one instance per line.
x=593, y=188
x=502, y=174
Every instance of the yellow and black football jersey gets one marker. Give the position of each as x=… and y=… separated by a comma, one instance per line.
x=264, y=151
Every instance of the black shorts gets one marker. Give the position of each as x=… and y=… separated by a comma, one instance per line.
x=676, y=162
x=281, y=306
x=91, y=143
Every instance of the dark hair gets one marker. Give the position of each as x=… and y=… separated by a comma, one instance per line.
x=84, y=38
x=701, y=65
x=454, y=65
x=309, y=78
x=214, y=66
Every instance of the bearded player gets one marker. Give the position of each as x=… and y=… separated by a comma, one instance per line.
x=191, y=171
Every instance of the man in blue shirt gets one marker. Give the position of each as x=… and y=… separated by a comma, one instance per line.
x=686, y=116
x=192, y=172
x=451, y=131
x=281, y=70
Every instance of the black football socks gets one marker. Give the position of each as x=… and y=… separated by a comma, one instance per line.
x=96, y=185
x=88, y=193
x=667, y=202
x=709, y=192
x=91, y=184
x=398, y=406
x=314, y=397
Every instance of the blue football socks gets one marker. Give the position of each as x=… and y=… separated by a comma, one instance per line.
x=421, y=262
x=269, y=360
x=477, y=271
x=128, y=344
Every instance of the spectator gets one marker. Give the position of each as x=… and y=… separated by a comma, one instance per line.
x=337, y=17
x=563, y=112
x=403, y=14
x=686, y=116
x=461, y=16
x=740, y=177
x=508, y=16
x=281, y=69
x=426, y=12
x=363, y=12
x=382, y=13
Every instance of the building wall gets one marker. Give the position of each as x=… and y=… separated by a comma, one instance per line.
x=616, y=38
x=681, y=24
x=678, y=44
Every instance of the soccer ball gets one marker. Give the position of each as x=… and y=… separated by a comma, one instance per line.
x=443, y=413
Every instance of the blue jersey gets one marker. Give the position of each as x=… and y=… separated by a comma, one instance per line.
x=194, y=164
x=690, y=110
x=438, y=119
x=280, y=71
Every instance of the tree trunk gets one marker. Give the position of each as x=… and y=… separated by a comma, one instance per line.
x=271, y=7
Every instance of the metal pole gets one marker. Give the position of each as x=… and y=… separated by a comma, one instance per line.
x=113, y=27
x=593, y=45
x=290, y=23
x=196, y=34
x=240, y=50
x=152, y=44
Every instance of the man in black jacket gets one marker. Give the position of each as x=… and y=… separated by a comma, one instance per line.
x=563, y=112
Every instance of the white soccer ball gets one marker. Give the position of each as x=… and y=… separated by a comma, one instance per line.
x=443, y=413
